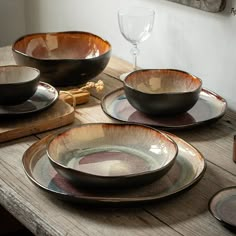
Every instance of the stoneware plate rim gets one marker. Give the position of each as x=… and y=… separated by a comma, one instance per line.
x=169, y=126
x=49, y=88
x=212, y=208
x=40, y=147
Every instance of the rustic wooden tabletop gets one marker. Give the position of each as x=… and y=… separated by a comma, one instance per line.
x=185, y=214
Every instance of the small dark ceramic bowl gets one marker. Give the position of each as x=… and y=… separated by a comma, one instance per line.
x=162, y=91
x=112, y=155
x=63, y=58
x=17, y=84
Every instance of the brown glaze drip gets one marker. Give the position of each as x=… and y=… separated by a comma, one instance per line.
x=62, y=45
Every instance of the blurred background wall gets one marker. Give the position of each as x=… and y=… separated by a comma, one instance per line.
x=12, y=20
x=185, y=38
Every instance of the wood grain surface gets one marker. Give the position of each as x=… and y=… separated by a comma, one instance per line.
x=186, y=214
x=60, y=114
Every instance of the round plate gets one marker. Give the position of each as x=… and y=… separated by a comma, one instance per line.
x=223, y=206
x=44, y=97
x=189, y=167
x=210, y=107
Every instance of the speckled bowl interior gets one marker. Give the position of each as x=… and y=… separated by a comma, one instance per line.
x=17, y=84
x=62, y=45
x=162, y=91
x=162, y=81
x=64, y=58
x=112, y=154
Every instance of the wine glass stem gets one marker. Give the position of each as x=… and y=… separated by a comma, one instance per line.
x=135, y=52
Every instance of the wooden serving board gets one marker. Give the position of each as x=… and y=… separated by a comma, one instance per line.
x=58, y=115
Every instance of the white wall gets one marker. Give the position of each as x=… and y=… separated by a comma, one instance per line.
x=185, y=38
x=12, y=20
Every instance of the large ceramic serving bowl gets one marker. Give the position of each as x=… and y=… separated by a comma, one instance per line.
x=162, y=91
x=63, y=58
x=17, y=84
x=111, y=155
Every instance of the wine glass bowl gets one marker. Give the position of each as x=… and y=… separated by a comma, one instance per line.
x=136, y=24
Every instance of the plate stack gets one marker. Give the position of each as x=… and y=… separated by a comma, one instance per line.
x=113, y=163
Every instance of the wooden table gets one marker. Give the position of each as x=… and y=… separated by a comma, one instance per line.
x=186, y=214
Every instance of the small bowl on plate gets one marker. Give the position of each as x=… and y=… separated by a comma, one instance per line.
x=162, y=91
x=111, y=155
x=17, y=84
x=63, y=58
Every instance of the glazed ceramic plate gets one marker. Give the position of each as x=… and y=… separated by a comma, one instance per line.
x=44, y=97
x=189, y=167
x=223, y=206
x=210, y=107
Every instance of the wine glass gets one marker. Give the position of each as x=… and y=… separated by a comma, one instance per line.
x=136, y=24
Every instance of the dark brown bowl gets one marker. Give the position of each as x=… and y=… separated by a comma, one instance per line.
x=162, y=91
x=63, y=58
x=112, y=155
x=17, y=84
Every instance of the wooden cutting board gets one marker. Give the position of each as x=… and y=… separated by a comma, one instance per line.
x=58, y=115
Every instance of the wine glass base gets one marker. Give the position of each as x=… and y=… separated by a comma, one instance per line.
x=123, y=76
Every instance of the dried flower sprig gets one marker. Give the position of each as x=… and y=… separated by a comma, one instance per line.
x=99, y=86
x=76, y=94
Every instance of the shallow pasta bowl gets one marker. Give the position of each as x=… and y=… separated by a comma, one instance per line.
x=112, y=155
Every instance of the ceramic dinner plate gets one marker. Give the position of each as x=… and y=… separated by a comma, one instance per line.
x=44, y=97
x=223, y=206
x=210, y=107
x=189, y=167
